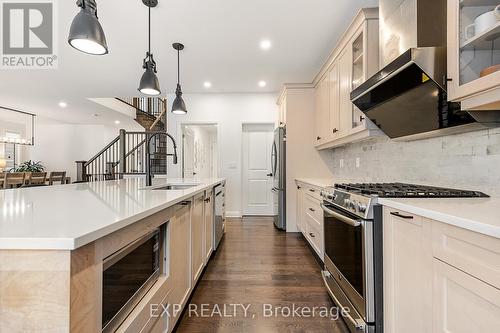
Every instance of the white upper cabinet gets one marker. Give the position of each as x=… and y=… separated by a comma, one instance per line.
x=474, y=53
x=354, y=60
x=322, y=110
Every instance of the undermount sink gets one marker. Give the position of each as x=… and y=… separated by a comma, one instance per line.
x=176, y=187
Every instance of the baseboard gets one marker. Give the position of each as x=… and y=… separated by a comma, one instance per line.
x=233, y=214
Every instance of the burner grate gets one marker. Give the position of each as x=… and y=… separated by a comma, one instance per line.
x=401, y=190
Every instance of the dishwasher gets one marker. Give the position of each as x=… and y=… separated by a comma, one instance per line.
x=220, y=214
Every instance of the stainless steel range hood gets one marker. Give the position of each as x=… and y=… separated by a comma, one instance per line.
x=407, y=98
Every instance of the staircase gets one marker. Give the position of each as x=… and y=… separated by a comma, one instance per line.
x=126, y=154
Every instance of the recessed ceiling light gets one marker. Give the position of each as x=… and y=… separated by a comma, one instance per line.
x=265, y=44
x=63, y=104
x=262, y=84
x=207, y=84
x=117, y=122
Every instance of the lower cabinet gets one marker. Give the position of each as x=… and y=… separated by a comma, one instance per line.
x=407, y=273
x=310, y=217
x=462, y=303
x=197, y=237
x=209, y=224
x=180, y=255
x=427, y=288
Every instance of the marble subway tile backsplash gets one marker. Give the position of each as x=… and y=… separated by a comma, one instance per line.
x=468, y=161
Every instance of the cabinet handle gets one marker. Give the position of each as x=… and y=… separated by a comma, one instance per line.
x=298, y=187
x=312, y=209
x=398, y=214
x=184, y=203
x=318, y=138
x=207, y=200
x=311, y=190
x=361, y=118
x=312, y=235
x=335, y=130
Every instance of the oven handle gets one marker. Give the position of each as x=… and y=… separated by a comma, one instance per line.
x=343, y=218
x=356, y=323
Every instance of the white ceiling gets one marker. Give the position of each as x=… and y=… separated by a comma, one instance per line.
x=222, y=46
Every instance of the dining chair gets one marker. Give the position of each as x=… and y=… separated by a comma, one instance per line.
x=57, y=177
x=14, y=179
x=36, y=178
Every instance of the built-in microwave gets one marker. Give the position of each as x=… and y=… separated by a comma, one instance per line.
x=127, y=276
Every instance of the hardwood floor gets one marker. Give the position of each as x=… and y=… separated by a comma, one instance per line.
x=256, y=266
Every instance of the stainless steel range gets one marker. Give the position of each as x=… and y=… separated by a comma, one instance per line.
x=353, y=245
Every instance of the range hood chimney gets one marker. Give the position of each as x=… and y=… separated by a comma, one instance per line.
x=407, y=97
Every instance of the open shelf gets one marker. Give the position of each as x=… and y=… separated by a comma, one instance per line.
x=483, y=40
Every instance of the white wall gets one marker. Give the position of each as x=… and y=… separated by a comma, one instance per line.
x=229, y=111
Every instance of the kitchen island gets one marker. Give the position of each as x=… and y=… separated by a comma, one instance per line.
x=55, y=243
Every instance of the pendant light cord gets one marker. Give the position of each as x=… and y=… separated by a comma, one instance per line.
x=178, y=67
x=149, y=27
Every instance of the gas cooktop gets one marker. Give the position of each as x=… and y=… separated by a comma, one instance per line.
x=401, y=190
x=359, y=199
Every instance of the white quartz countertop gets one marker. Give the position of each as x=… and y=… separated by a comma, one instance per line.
x=316, y=182
x=66, y=217
x=481, y=215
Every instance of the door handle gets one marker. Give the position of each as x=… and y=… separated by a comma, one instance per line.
x=340, y=217
x=270, y=174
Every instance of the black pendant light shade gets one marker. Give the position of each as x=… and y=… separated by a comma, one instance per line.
x=85, y=33
x=149, y=81
x=149, y=84
x=178, y=106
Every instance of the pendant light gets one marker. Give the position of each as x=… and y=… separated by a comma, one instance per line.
x=178, y=107
x=149, y=84
x=86, y=34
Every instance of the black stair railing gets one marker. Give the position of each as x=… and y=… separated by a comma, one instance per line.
x=124, y=155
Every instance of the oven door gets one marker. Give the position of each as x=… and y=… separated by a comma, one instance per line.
x=349, y=257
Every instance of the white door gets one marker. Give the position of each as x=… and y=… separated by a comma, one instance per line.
x=188, y=154
x=257, y=183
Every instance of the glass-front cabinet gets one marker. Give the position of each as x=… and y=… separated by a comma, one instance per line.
x=474, y=53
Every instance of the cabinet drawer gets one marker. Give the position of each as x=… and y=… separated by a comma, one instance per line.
x=313, y=192
x=473, y=253
x=462, y=303
x=313, y=208
x=399, y=215
x=314, y=233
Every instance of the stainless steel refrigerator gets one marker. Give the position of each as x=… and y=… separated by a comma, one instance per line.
x=278, y=162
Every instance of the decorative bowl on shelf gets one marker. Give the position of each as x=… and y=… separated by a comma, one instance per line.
x=489, y=70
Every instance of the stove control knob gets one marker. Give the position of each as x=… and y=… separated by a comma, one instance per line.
x=362, y=208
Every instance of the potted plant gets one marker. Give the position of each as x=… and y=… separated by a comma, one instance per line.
x=30, y=166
